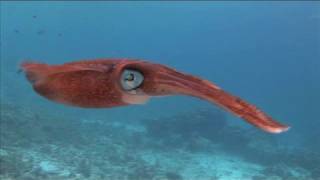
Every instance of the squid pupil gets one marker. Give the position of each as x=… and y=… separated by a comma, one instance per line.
x=130, y=77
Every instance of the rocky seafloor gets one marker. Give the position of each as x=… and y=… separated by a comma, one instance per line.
x=199, y=145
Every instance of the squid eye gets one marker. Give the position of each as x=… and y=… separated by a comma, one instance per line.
x=131, y=79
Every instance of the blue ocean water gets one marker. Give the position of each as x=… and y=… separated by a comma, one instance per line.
x=267, y=53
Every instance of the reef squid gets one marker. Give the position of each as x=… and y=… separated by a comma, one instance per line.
x=108, y=83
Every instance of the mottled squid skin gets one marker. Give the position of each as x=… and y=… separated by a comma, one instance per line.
x=96, y=84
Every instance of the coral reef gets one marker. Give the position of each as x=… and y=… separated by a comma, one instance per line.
x=204, y=122
x=189, y=130
x=194, y=145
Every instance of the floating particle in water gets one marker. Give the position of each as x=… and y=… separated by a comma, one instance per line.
x=41, y=32
x=34, y=17
x=16, y=31
x=173, y=176
x=59, y=34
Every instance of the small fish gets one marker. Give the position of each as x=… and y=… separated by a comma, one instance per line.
x=41, y=32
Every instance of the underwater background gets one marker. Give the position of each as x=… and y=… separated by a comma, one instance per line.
x=265, y=52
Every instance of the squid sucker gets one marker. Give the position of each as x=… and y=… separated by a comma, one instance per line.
x=107, y=83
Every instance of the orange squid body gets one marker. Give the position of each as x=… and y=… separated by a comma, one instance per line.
x=107, y=83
